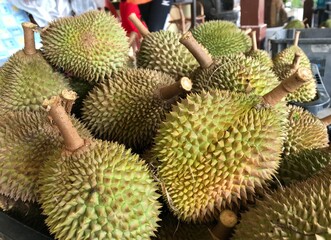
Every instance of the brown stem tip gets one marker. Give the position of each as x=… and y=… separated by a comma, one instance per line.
x=200, y=54
x=72, y=140
x=227, y=220
x=29, y=42
x=296, y=60
x=179, y=87
x=289, y=85
x=296, y=38
x=139, y=25
x=69, y=98
x=254, y=41
x=326, y=120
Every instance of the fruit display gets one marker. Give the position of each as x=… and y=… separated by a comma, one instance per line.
x=167, y=137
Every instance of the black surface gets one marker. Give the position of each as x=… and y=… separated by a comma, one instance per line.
x=11, y=229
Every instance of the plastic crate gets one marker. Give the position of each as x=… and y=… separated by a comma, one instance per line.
x=11, y=229
x=322, y=99
x=315, y=42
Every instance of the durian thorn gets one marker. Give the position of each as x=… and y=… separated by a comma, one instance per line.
x=29, y=42
x=254, y=41
x=289, y=85
x=296, y=60
x=200, y=54
x=173, y=90
x=72, y=140
x=69, y=98
x=296, y=38
x=139, y=25
x=326, y=120
x=227, y=220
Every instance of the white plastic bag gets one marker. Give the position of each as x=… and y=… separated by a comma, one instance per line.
x=44, y=11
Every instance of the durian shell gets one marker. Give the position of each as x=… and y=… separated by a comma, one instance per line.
x=302, y=165
x=304, y=131
x=27, y=139
x=296, y=24
x=221, y=38
x=100, y=191
x=216, y=149
x=262, y=56
x=27, y=80
x=91, y=46
x=283, y=69
x=235, y=72
x=300, y=211
x=163, y=52
x=126, y=109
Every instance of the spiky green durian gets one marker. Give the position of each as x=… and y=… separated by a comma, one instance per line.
x=92, y=45
x=173, y=229
x=296, y=24
x=162, y=51
x=300, y=211
x=262, y=56
x=326, y=24
x=283, y=67
x=27, y=139
x=127, y=109
x=304, y=131
x=221, y=38
x=235, y=72
x=26, y=81
x=302, y=165
x=215, y=149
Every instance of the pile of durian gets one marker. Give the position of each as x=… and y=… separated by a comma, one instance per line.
x=193, y=138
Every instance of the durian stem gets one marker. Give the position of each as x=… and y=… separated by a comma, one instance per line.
x=139, y=25
x=69, y=98
x=197, y=51
x=179, y=87
x=29, y=42
x=248, y=31
x=296, y=60
x=72, y=140
x=326, y=120
x=289, y=85
x=227, y=220
x=296, y=38
x=132, y=39
x=254, y=42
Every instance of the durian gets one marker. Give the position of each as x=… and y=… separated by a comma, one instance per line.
x=26, y=140
x=217, y=148
x=96, y=189
x=296, y=24
x=91, y=46
x=302, y=165
x=300, y=211
x=27, y=79
x=162, y=51
x=285, y=63
x=261, y=55
x=326, y=24
x=304, y=131
x=129, y=108
x=221, y=38
x=235, y=72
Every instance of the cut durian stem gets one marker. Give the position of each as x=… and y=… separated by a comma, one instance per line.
x=29, y=42
x=254, y=42
x=132, y=38
x=227, y=220
x=203, y=57
x=139, y=25
x=69, y=98
x=72, y=140
x=296, y=38
x=326, y=120
x=179, y=87
x=248, y=31
x=289, y=85
x=296, y=60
